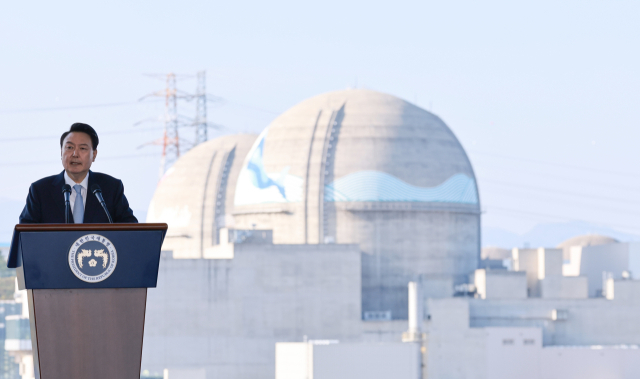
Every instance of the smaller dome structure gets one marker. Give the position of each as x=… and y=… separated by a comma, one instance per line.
x=494, y=252
x=587, y=240
x=195, y=196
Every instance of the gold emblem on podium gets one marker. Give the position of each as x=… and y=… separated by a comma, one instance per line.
x=92, y=258
x=103, y=255
x=81, y=256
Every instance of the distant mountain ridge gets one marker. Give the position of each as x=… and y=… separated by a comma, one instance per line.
x=549, y=234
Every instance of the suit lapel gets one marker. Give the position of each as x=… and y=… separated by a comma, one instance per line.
x=58, y=196
x=92, y=207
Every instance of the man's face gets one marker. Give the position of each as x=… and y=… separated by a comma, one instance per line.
x=77, y=154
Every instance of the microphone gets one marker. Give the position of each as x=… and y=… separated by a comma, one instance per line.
x=98, y=192
x=66, y=191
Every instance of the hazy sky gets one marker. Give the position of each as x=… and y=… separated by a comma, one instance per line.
x=543, y=94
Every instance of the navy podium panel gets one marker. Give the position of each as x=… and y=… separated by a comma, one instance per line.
x=46, y=265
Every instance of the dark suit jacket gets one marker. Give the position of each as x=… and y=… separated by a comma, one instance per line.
x=45, y=203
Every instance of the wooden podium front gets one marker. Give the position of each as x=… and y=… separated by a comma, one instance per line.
x=87, y=289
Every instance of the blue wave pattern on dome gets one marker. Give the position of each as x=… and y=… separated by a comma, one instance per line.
x=259, y=177
x=257, y=186
x=380, y=186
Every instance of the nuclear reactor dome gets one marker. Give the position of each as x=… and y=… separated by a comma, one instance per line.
x=363, y=167
x=494, y=252
x=195, y=196
x=587, y=240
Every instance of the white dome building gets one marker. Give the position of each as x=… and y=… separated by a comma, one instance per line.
x=587, y=240
x=195, y=196
x=363, y=167
x=346, y=167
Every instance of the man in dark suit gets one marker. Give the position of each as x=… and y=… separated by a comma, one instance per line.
x=46, y=203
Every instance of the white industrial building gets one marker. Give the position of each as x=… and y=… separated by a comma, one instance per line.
x=516, y=325
x=313, y=228
x=311, y=231
x=347, y=167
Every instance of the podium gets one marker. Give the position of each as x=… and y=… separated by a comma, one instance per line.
x=87, y=290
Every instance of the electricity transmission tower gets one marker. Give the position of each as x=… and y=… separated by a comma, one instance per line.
x=200, y=121
x=171, y=138
x=170, y=141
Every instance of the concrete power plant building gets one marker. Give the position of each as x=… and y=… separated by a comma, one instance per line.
x=348, y=167
x=380, y=183
x=310, y=232
x=361, y=167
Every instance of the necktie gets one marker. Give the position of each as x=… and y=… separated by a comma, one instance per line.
x=78, y=205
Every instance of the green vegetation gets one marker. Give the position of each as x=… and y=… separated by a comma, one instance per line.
x=7, y=287
x=7, y=280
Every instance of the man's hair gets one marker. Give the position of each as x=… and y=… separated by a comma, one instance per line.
x=83, y=128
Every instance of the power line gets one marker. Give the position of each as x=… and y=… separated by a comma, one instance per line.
x=107, y=158
x=51, y=136
x=214, y=99
x=49, y=109
x=246, y=106
x=626, y=173
x=564, y=177
x=575, y=203
x=553, y=191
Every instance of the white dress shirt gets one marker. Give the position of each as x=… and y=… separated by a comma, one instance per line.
x=84, y=190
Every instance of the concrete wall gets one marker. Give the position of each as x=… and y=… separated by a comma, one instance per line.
x=448, y=314
x=538, y=264
x=612, y=259
x=500, y=284
x=347, y=361
x=578, y=322
x=517, y=353
x=626, y=292
x=184, y=373
x=513, y=353
x=526, y=260
x=564, y=287
x=594, y=260
x=457, y=351
x=454, y=351
x=634, y=259
x=225, y=316
x=383, y=331
x=550, y=262
x=580, y=362
x=399, y=246
x=294, y=360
